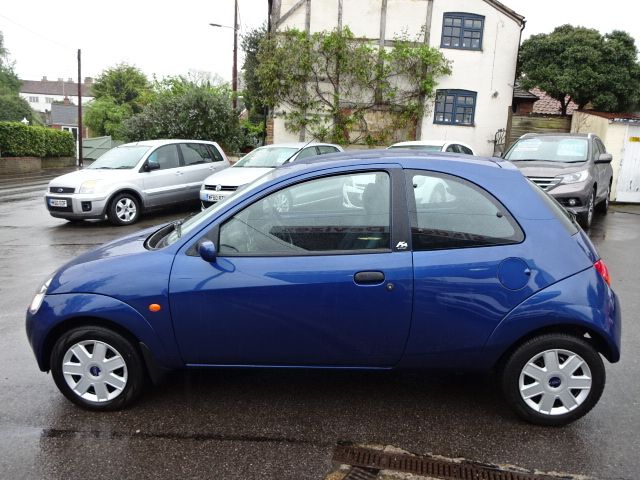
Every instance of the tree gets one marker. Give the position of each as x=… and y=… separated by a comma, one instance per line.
x=119, y=92
x=125, y=84
x=184, y=109
x=579, y=64
x=330, y=83
x=252, y=92
x=13, y=108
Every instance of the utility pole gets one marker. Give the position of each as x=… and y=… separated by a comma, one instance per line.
x=234, y=74
x=80, y=162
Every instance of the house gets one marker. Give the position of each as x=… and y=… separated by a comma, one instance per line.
x=64, y=116
x=42, y=94
x=620, y=133
x=480, y=37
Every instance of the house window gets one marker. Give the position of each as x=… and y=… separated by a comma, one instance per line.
x=34, y=99
x=462, y=30
x=455, y=107
x=49, y=99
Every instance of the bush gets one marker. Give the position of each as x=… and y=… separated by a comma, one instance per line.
x=18, y=140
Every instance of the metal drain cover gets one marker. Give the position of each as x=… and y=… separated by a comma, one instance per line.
x=427, y=466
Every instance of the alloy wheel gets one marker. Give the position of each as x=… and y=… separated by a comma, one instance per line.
x=126, y=209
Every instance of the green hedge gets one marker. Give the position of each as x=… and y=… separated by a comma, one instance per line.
x=18, y=140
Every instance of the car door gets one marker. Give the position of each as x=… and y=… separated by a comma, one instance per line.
x=318, y=285
x=306, y=153
x=199, y=163
x=470, y=269
x=165, y=184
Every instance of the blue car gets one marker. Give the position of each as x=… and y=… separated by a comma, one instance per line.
x=382, y=260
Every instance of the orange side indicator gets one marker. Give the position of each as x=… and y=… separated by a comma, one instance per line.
x=154, y=307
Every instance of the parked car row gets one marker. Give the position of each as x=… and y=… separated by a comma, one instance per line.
x=128, y=180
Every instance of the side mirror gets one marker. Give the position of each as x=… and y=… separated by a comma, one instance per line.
x=604, y=158
x=207, y=250
x=151, y=165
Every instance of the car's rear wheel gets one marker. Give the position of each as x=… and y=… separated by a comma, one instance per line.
x=585, y=218
x=124, y=209
x=553, y=379
x=97, y=368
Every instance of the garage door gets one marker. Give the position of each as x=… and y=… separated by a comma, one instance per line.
x=629, y=178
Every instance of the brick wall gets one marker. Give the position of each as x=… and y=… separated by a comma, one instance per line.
x=10, y=165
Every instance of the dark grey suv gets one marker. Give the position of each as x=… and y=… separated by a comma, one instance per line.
x=574, y=168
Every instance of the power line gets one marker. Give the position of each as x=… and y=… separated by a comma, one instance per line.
x=35, y=32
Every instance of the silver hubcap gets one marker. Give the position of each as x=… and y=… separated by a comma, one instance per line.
x=555, y=382
x=94, y=370
x=126, y=209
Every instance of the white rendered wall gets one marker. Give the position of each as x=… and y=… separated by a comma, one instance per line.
x=41, y=105
x=490, y=72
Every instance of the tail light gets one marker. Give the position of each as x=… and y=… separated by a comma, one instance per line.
x=603, y=271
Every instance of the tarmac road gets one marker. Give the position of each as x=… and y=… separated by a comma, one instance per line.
x=284, y=424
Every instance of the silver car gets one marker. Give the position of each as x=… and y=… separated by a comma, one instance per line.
x=132, y=178
x=574, y=168
x=219, y=186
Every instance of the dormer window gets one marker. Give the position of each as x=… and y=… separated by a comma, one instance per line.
x=462, y=30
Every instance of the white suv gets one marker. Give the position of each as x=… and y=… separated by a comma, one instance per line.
x=135, y=177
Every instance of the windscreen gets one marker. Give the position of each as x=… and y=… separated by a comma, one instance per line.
x=422, y=148
x=266, y=157
x=120, y=158
x=550, y=149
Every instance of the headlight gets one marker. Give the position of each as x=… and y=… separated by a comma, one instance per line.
x=39, y=296
x=92, y=186
x=576, y=177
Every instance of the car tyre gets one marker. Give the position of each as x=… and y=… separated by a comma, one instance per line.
x=586, y=218
x=124, y=209
x=97, y=368
x=553, y=379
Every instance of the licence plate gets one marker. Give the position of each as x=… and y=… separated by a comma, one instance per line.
x=212, y=197
x=54, y=202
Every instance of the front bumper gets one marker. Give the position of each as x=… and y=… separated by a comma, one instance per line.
x=574, y=196
x=76, y=206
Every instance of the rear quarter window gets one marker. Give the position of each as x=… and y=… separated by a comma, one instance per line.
x=452, y=213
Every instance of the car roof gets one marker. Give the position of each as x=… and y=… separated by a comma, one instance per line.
x=299, y=145
x=167, y=141
x=430, y=143
x=406, y=158
x=557, y=134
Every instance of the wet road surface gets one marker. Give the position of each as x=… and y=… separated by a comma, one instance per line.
x=284, y=424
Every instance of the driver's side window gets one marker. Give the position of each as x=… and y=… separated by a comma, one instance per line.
x=337, y=213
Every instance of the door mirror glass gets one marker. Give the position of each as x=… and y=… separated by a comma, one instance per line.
x=604, y=158
x=151, y=165
x=207, y=250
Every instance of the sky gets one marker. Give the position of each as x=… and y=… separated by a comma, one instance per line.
x=174, y=38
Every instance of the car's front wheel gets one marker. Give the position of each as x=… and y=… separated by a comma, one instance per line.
x=97, y=368
x=124, y=209
x=585, y=218
x=553, y=379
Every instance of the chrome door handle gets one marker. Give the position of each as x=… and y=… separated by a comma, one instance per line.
x=178, y=172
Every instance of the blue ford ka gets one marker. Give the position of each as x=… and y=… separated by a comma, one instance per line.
x=376, y=260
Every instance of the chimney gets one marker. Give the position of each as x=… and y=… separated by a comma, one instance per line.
x=88, y=80
x=66, y=101
x=70, y=80
x=60, y=79
x=44, y=78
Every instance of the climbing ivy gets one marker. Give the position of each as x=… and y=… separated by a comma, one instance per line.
x=347, y=90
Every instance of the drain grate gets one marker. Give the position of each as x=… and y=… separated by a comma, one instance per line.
x=426, y=466
x=359, y=473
